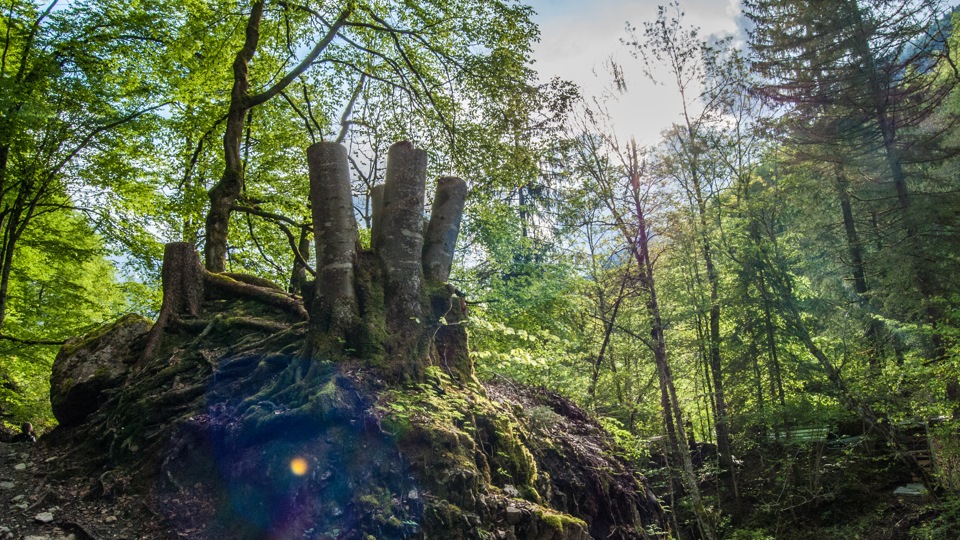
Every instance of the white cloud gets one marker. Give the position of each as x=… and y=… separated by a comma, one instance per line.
x=578, y=38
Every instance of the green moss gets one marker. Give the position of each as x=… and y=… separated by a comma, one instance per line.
x=552, y=520
x=558, y=522
x=511, y=461
x=369, y=501
x=76, y=344
x=371, y=334
x=329, y=398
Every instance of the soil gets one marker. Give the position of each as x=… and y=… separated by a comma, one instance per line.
x=39, y=499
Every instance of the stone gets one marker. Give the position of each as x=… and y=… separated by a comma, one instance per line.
x=87, y=367
x=7, y=485
x=110, y=519
x=20, y=467
x=44, y=517
x=912, y=490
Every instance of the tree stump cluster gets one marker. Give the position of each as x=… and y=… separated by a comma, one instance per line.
x=404, y=265
x=389, y=305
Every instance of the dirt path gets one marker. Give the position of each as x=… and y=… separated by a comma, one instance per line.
x=36, y=505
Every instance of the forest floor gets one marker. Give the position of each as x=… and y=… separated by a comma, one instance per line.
x=37, y=503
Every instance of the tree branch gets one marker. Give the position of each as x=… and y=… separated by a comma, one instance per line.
x=106, y=127
x=344, y=124
x=5, y=337
x=264, y=96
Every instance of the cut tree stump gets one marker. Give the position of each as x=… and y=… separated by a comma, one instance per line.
x=334, y=307
x=182, y=280
x=441, y=239
x=400, y=239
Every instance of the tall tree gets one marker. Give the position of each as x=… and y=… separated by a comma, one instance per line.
x=62, y=101
x=630, y=198
x=860, y=79
x=423, y=48
x=668, y=43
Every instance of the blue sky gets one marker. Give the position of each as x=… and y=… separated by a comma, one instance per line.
x=577, y=36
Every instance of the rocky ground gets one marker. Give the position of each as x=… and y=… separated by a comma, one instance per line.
x=38, y=502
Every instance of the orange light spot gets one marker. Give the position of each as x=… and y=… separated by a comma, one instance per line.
x=298, y=466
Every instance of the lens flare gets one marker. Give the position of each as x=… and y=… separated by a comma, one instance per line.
x=298, y=466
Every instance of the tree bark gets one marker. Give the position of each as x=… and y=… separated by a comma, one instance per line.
x=376, y=225
x=334, y=306
x=182, y=280
x=400, y=240
x=441, y=239
x=673, y=416
x=721, y=423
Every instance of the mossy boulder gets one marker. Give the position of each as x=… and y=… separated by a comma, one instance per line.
x=87, y=367
x=232, y=430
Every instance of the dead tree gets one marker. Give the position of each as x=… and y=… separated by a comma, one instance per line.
x=376, y=225
x=373, y=305
x=400, y=238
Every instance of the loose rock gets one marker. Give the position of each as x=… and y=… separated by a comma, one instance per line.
x=44, y=517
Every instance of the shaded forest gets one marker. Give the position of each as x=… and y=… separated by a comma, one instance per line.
x=761, y=309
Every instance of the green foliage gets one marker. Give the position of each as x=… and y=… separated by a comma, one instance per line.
x=945, y=525
x=61, y=287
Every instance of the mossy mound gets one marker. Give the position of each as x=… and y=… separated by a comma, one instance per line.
x=230, y=431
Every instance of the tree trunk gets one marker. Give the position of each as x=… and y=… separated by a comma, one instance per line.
x=441, y=239
x=668, y=394
x=721, y=423
x=334, y=307
x=875, y=328
x=376, y=221
x=224, y=194
x=400, y=240
x=182, y=279
x=6, y=259
x=854, y=246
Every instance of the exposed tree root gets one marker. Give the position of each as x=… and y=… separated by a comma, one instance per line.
x=271, y=296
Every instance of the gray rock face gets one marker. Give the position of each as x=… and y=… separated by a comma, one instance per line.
x=87, y=366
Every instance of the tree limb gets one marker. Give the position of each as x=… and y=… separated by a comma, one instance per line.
x=264, y=96
x=5, y=337
x=344, y=124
